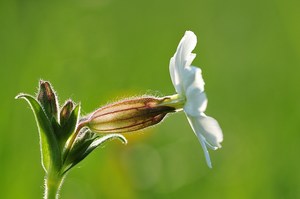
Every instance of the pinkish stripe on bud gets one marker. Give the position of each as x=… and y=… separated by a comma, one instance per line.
x=128, y=115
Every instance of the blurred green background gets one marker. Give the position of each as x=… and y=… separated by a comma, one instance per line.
x=98, y=51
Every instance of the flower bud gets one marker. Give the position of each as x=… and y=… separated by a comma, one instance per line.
x=128, y=115
x=66, y=112
x=47, y=98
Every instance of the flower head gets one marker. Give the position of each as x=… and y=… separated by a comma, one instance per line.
x=189, y=85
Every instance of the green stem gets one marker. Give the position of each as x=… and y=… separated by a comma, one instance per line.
x=53, y=182
x=176, y=101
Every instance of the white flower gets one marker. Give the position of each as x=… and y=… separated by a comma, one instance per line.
x=189, y=85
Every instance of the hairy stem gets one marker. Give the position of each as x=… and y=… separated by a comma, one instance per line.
x=53, y=182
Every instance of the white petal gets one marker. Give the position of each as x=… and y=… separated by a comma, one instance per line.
x=193, y=84
x=194, y=124
x=175, y=76
x=183, y=57
x=206, y=154
x=208, y=132
x=196, y=102
x=211, y=131
x=192, y=77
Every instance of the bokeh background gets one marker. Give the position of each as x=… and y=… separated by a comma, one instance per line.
x=98, y=51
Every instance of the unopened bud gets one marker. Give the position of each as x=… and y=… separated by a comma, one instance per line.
x=47, y=98
x=66, y=112
x=128, y=115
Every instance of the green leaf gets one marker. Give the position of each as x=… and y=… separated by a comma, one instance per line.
x=81, y=144
x=86, y=144
x=50, y=152
x=101, y=140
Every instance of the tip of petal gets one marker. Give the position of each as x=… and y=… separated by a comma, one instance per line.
x=189, y=41
x=182, y=58
x=190, y=33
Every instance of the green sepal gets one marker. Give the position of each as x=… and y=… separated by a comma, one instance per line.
x=50, y=153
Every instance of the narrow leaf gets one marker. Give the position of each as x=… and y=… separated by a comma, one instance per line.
x=101, y=140
x=81, y=144
x=86, y=145
x=97, y=142
x=49, y=149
